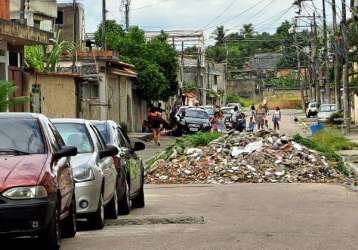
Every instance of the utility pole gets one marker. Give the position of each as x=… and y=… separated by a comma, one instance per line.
x=74, y=36
x=316, y=82
x=298, y=53
x=337, y=60
x=326, y=63
x=104, y=18
x=127, y=8
x=345, y=80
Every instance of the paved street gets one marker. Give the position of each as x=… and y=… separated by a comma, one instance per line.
x=244, y=216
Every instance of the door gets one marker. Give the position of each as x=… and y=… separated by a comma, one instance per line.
x=16, y=76
x=107, y=166
x=62, y=168
x=132, y=161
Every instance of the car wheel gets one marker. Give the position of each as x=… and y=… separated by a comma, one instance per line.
x=112, y=207
x=97, y=219
x=69, y=227
x=138, y=202
x=51, y=237
x=124, y=203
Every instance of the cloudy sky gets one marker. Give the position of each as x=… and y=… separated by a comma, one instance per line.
x=266, y=15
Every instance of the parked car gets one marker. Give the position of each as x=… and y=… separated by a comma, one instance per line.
x=228, y=112
x=37, y=195
x=180, y=112
x=326, y=111
x=312, y=109
x=209, y=109
x=195, y=120
x=93, y=169
x=235, y=105
x=131, y=168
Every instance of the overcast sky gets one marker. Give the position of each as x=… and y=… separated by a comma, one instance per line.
x=266, y=15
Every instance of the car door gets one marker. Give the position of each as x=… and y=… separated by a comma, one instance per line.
x=107, y=166
x=62, y=167
x=132, y=158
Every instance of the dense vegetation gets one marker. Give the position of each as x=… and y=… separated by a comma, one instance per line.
x=154, y=60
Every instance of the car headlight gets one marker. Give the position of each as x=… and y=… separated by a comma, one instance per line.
x=83, y=174
x=25, y=193
x=207, y=124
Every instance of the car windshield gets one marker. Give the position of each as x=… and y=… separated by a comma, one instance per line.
x=76, y=135
x=196, y=114
x=312, y=105
x=227, y=111
x=328, y=108
x=209, y=110
x=102, y=128
x=21, y=136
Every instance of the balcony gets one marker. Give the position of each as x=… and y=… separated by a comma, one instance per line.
x=20, y=35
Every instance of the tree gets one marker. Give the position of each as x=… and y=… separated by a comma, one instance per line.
x=37, y=59
x=219, y=35
x=155, y=61
x=216, y=53
x=7, y=90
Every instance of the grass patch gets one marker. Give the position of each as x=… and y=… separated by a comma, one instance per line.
x=333, y=139
x=326, y=150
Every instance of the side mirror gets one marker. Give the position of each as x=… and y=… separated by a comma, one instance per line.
x=110, y=150
x=66, y=151
x=139, y=146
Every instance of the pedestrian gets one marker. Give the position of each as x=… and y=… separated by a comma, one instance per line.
x=276, y=118
x=260, y=117
x=238, y=119
x=154, y=119
x=215, y=122
x=251, y=125
x=221, y=121
x=265, y=106
x=253, y=111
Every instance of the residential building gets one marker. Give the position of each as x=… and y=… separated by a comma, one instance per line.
x=13, y=38
x=107, y=89
x=67, y=16
x=37, y=13
x=209, y=77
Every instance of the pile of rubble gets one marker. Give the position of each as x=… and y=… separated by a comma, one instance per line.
x=264, y=157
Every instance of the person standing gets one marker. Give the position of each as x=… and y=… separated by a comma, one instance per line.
x=260, y=117
x=154, y=119
x=276, y=118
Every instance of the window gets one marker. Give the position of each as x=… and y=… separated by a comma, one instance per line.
x=124, y=141
x=90, y=91
x=99, y=140
x=21, y=134
x=76, y=135
x=102, y=128
x=59, y=19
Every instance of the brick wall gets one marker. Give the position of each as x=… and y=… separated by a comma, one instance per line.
x=5, y=9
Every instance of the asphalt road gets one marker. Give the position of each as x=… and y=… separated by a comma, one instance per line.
x=243, y=216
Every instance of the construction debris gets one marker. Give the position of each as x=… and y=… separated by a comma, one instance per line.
x=262, y=157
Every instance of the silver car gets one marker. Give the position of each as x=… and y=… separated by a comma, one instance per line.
x=326, y=111
x=93, y=169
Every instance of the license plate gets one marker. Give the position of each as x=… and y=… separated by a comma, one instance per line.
x=194, y=129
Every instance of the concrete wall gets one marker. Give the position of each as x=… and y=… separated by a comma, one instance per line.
x=68, y=23
x=242, y=87
x=57, y=94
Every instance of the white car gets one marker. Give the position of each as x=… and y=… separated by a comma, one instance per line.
x=312, y=109
x=326, y=111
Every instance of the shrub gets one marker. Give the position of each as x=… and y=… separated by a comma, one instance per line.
x=202, y=139
x=337, y=115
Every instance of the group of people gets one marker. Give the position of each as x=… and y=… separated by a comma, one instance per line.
x=259, y=116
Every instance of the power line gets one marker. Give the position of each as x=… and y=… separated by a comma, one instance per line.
x=221, y=14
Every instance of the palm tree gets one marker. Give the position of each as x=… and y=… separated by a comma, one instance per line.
x=7, y=89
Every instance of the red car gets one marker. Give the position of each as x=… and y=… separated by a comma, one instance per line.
x=36, y=185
